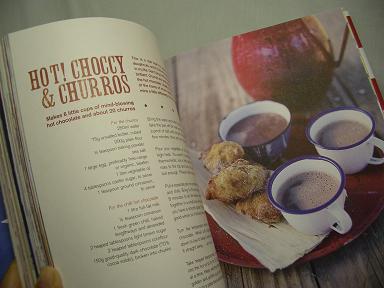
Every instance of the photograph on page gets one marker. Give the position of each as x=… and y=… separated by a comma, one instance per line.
x=286, y=138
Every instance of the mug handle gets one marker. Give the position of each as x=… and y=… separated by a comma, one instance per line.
x=343, y=222
x=379, y=144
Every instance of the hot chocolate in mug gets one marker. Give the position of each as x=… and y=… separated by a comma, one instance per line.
x=267, y=151
x=325, y=216
x=345, y=134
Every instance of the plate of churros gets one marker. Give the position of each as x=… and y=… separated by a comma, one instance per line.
x=238, y=181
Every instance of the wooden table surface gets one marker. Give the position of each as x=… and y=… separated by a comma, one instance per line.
x=206, y=89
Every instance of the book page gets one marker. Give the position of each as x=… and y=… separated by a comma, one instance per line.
x=243, y=89
x=114, y=182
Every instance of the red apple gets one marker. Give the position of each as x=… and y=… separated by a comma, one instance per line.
x=291, y=63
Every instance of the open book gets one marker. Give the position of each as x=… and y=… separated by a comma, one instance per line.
x=103, y=179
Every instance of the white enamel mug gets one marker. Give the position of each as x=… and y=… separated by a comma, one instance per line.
x=352, y=158
x=269, y=151
x=319, y=220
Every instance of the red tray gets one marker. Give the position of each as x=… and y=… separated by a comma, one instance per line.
x=364, y=203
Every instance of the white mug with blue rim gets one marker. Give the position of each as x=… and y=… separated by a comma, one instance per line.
x=271, y=150
x=354, y=157
x=327, y=216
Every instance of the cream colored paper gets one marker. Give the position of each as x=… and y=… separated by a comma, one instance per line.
x=77, y=219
